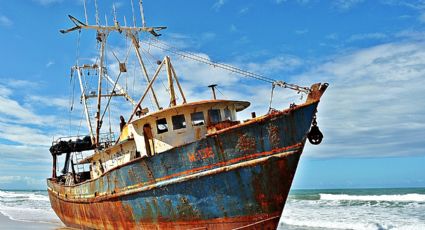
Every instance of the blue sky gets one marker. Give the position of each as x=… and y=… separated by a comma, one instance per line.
x=371, y=52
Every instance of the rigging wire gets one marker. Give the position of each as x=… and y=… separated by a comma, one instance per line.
x=149, y=95
x=108, y=108
x=195, y=57
x=163, y=70
x=220, y=92
x=145, y=54
x=70, y=104
x=81, y=122
x=115, y=84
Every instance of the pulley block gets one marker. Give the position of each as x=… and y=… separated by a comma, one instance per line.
x=315, y=136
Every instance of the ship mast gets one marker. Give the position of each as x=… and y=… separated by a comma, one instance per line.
x=102, y=38
x=102, y=33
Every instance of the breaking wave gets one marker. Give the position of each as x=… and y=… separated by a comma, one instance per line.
x=362, y=209
x=413, y=197
x=29, y=206
x=22, y=196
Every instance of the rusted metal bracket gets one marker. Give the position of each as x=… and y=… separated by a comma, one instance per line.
x=80, y=25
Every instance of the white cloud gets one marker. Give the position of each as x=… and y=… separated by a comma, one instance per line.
x=22, y=182
x=233, y=28
x=14, y=111
x=302, y=2
x=275, y=65
x=244, y=10
x=346, y=4
x=5, y=21
x=300, y=32
x=19, y=83
x=50, y=63
x=367, y=36
x=25, y=152
x=422, y=17
x=374, y=105
x=47, y=2
x=24, y=135
x=332, y=36
x=413, y=4
x=218, y=4
x=49, y=101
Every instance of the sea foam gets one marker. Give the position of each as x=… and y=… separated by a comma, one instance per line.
x=29, y=206
x=413, y=197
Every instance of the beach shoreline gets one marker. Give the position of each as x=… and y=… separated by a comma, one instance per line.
x=7, y=223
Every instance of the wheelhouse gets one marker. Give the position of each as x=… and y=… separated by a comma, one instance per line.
x=160, y=131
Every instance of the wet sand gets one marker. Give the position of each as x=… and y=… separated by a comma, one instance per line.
x=6, y=223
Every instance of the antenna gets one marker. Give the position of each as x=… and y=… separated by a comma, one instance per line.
x=142, y=13
x=132, y=10
x=97, y=12
x=115, y=12
x=213, y=90
x=85, y=12
x=116, y=24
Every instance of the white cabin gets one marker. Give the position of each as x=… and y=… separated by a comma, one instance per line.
x=162, y=130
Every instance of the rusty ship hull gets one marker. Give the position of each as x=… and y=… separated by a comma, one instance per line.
x=238, y=177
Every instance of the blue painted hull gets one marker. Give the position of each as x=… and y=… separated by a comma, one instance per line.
x=227, y=180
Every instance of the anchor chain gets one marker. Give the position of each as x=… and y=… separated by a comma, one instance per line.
x=314, y=136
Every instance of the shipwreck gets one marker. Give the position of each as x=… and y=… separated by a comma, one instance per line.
x=190, y=165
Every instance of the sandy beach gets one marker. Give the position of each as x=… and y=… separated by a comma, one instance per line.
x=6, y=223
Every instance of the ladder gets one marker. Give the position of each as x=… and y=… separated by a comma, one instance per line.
x=78, y=156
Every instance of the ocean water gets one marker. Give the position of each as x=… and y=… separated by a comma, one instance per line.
x=363, y=209
x=375, y=209
x=27, y=206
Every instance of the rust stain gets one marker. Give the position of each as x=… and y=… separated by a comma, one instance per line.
x=201, y=154
x=245, y=143
x=187, y=172
x=274, y=137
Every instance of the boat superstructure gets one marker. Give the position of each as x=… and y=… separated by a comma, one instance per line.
x=190, y=165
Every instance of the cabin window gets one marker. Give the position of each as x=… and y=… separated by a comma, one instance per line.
x=214, y=115
x=227, y=114
x=162, y=125
x=178, y=122
x=197, y=118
